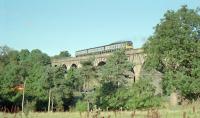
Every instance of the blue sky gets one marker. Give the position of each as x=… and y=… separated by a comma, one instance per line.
x=56, y=25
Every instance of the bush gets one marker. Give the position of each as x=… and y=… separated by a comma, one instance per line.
x=138, y=96
x=81, y=106
x=142, y=95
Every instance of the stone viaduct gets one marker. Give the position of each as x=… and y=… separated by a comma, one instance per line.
x=136, y=56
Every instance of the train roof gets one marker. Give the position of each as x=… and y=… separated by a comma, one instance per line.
x=106, y=45
x=120, y=42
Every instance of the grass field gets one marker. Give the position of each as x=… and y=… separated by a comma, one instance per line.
x=178, y=112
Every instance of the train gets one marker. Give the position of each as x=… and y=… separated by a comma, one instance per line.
x=106, y=48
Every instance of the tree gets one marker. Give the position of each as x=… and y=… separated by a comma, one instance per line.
x=74, y=79
x=37, y=57
x=42, y=80
x=59, y=89
x=115, y=68
x=19, y=67
x=174, y=50
x=140, y=95
x=87, y=80
x=4, y=50
x=113, y=78
x=88, y=74
x=63, y=54
x=11, y=76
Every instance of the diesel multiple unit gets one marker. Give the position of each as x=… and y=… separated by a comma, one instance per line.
x=106, y=48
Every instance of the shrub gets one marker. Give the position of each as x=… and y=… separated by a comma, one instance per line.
x=81, y=106
x=138, y=96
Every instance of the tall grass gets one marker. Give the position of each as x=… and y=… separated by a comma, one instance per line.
x=184, y=111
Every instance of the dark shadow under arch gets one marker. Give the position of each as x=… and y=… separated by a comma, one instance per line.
x=64, y=66
x=73, y=66
x=101, y=63
x=132, y=70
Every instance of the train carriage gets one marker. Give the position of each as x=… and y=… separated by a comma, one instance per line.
x=81, y=52
x=106, y=48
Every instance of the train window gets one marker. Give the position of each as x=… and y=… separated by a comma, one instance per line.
x=125, y=44
x=118, y=46
x=129, y=44
x=107, y=47
x=111, y=47
x=115, y=46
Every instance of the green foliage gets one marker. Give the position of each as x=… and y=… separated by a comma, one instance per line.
x=140, y=95
x=74, y=79
x=12, y=75
x=62, y=55
x=34, y=67
x=37, y=57
x=174, y=50
x=87, y=74
x=104, y=94
x=55, y=81
x=81, y=106
x=113, y=92
x=115, y=67
x=28, y=108
x=44, y=81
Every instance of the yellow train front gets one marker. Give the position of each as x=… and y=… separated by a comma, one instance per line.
x=106, y=48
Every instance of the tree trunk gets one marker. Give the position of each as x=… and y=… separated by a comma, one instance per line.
x=52, y=104
x=49, y=103
x=88, y=107
x=23, y=96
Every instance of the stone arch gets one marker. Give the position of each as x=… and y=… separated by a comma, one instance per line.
x=73, y=66
x=64, y=66
x=101, y=63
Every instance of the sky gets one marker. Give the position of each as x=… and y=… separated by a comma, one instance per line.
x=56, y=25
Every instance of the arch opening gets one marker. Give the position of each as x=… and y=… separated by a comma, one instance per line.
x=64, y=67
x=101, y=63
x=74, y=66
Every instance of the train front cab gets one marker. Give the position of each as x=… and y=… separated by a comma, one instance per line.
x=129, y=45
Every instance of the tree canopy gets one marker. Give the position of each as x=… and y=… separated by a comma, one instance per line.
x=35, y=68
x=174, y=50
x=62, y=55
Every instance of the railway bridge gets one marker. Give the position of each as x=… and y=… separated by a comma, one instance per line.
x=135, y=56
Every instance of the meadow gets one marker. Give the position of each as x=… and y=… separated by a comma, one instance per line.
x=187, y=111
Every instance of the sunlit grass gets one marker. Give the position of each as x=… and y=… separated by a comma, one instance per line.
x=191, y=111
